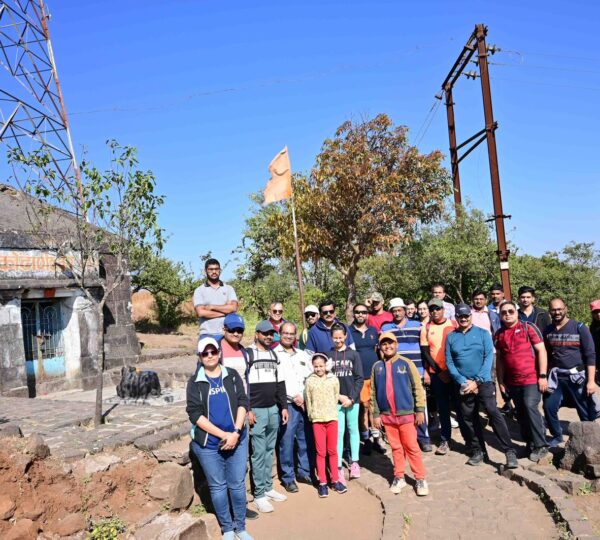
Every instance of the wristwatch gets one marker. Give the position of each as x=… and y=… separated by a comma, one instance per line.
x=238, y=431
x=542, y=376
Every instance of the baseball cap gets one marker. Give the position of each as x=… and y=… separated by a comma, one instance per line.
x=397, y=302
x=435, y=302
x=205, y=342
x=463, y=309
x=376, y=297
x=595, y=305
x=264, y=327
x=233, y=320
x=311, y=309
x=387, y=335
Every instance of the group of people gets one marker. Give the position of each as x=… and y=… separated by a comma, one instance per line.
x=324, y=394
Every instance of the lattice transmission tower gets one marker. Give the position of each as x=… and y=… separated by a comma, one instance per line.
x=32, y=111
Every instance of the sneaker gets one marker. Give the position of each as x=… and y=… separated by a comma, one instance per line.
x=367, y=447
x=229, y=535
x=243, y=535
x=511, y=460
x=251, y=514
x=276, y=496
x=323, y=491
x=263, y=505
x=507, y=408
x=397, y=485
x=341, y=477
x=443, y=448
x=537, y=454
x=292, y=487
x=425, y=446
x=339, y=488
x=553, y=442
x=476, y=459
x=453, y=423
x=354, y=470
x=421, y=488
x=379, y=445
x=304, y=480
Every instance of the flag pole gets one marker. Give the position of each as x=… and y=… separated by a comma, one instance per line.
x=298, y=263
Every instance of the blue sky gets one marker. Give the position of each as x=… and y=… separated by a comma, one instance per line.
x=210, y=91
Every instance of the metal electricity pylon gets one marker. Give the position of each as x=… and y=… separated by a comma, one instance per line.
x=32, y=111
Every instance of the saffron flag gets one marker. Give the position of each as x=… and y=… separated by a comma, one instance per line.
x=279, y=187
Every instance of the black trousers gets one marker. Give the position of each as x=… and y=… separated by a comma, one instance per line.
x=470, y=405
x=527, y=400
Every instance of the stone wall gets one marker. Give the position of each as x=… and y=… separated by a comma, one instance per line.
x=13, y=377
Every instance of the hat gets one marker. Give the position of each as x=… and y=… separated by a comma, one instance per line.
x=435, y=302
x=376, y=297
x=463, y=309
x=233, y=320
x=397, y=302
x=264, y=326
x=595, y=305
x=311, y=309
x=205, y=342
x=388, y=335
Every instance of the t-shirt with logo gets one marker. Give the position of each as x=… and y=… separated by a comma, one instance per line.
x=234, y=359
x=219, y=411
x=346, y=365
x=516, y=347
x=434, y=336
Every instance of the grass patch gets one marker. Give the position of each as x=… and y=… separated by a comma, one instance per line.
x=107, y=529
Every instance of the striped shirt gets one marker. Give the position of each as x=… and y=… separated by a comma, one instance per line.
x=571, y=346
x=408, y=337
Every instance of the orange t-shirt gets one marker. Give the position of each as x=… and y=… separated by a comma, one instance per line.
x=434, y=336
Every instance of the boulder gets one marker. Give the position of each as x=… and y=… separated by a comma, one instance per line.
x=10, y=430
x=181, y=527
x=583, y=447
x=23, y=529
x=7, y=507
x=71, y=524
x=172, y=484
x=31, y=509
x=37, y=447
x=99, y=463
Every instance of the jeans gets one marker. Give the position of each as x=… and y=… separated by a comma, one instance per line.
x=326, y=437
x=348, y=416
x=470, y=405
x=225, y=473
x=552, y=402
x=446, y=395
x=527, y=399
x=264, y=437
x=296, y=431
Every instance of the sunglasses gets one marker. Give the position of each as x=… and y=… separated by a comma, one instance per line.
x=507, y=312
x=234, y=330
x=328, y=312
x=311, y=314
x=361, y=312
x=211, y=352
x=435, y=308
x=277, y=311
x=267, y=333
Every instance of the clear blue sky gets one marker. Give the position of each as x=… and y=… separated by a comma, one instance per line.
x=210, y=91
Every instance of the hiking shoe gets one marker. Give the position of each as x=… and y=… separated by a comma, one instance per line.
x=341, y=477
x=397, y=485
x=507, y=408
x=243, y=535
x=229, y=535
x=251, y=514
x=553, y=442
x=453, y=423
x=379, y=445
x=263, y=505
x=425, y=446
x=537, y=454
x=340, y=488
x=476, y=459
x=304, y=480
x=292, y=487
x=323, y=491
x=511, y=460
x=367, y=447
x=354, y=470
x=421, y=488
x=443, y=448
x=276, y=496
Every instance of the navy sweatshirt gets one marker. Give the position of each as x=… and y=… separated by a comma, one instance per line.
x=570, y=346
x=347, y=367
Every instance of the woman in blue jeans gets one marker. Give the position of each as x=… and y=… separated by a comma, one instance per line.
x=217, y=406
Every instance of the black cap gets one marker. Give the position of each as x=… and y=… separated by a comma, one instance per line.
x=463, y=309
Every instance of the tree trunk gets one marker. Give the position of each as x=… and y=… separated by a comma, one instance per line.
x=350, y=283
x=98, y=420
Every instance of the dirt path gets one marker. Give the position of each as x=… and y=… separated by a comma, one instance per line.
x=355, y=514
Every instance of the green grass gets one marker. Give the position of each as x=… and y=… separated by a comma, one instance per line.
x=107, y=529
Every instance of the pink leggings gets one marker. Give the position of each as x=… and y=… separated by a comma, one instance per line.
x=326, y=435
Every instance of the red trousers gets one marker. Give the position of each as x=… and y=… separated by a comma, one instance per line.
x=403, y=440
x=326, y=435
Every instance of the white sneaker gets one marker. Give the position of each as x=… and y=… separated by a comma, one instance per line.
x=397, y=485
x=276, y=496
x=453, y=423
x=263, y=504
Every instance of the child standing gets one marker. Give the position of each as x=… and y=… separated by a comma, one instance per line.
x=398, y=402
x=347, y=367
x=321, y=393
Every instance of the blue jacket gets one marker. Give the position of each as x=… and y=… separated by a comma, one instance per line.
x=409, y=396
x=470, y=355
x=319, y=338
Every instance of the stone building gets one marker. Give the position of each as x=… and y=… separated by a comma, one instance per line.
x=48, y=328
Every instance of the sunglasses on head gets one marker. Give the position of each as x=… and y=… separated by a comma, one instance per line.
x=507, y=312
x=235, y=330
x=209, y=352
x=327, y=311
x=361, y=312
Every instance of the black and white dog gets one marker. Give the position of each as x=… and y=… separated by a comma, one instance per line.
x=138, y=384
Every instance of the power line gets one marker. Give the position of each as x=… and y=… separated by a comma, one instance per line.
x=428, y=120
x=550, y=68
x=549, y=55
x=539, y=83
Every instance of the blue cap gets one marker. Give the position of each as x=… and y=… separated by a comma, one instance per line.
x=463, y=309
x=233, y=320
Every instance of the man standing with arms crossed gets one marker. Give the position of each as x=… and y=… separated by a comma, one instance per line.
x=213, y=300
x=529, y=312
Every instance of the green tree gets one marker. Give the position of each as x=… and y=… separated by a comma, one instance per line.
x=102, y=220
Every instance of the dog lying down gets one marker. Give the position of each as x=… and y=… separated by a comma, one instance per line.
x=137, y=384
